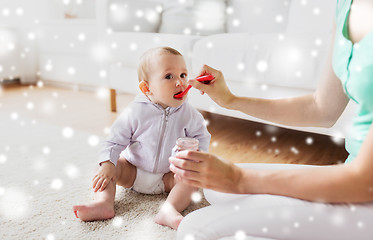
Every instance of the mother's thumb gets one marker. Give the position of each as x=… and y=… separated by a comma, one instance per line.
x=197, y=85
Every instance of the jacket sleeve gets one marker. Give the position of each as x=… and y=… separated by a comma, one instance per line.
x=119, y=138
x=198, y=130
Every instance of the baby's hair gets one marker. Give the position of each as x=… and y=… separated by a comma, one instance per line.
x=144, y=63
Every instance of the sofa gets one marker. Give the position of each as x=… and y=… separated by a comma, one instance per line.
x=265, y=49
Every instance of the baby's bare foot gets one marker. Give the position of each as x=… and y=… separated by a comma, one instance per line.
x=168, y=216
x=94, y=211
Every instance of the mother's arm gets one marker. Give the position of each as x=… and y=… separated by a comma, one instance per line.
x=345, y=183
x=320, y=109
x=351, y=182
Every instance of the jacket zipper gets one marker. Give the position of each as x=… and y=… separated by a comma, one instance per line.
x=161, y=137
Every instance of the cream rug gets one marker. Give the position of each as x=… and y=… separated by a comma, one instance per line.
x=45, y=170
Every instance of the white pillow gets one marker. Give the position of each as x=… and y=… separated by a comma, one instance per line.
x=177, y=3
x=314, y=17
x=134, y=16
x=253, y=16
x=83, y=9
x=204, y=18
x=294, y=61
x=262, y=59
x=226, y=52
x=178, y=21
x=130, y=46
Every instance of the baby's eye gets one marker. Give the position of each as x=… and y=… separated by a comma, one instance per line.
x=183, y=75
x=169, y=76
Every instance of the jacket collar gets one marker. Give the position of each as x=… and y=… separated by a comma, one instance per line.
x=144, y=99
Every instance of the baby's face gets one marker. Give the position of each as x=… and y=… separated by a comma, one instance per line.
x=167, y=77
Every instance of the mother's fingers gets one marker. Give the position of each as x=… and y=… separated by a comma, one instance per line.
x=206, y=69
x=200, y=86
x=184, y=174
x=185, y=164
x=196, y=156
x=191, y=183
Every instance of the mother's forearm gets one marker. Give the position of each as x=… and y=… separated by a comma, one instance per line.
x=298, y=111
x=333, y=184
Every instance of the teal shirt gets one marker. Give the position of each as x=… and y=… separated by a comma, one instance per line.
x=353, y=64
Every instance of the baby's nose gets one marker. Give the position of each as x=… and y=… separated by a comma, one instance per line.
x=179, y=82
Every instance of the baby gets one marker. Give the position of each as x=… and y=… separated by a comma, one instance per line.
x=135, y=155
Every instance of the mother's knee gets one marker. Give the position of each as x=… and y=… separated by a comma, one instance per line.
x=186, y=228
x=190, y=227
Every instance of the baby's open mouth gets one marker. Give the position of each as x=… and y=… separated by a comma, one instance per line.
x=181, y=94
x=178, y=95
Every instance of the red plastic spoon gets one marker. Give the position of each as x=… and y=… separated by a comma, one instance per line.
x=206, y=79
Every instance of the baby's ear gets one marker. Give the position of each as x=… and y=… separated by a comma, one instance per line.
x=143, y=85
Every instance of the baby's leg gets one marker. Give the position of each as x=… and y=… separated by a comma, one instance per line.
x=102, y=207
x=178, y=199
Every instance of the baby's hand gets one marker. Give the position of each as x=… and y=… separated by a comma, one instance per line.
x=104, y=175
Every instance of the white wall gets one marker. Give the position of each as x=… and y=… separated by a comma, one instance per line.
x=23, y=17
x=21, y=20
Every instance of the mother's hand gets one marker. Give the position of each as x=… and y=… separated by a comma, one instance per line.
x=205, y=170
x=217, y=89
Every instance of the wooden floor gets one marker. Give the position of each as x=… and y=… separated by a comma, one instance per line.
x=234, y=139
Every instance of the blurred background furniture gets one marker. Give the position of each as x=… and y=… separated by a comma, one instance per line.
x=266, y=49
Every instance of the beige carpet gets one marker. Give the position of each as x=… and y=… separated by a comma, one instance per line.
x=45, y=170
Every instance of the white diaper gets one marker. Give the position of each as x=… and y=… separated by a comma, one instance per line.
x=148, y=183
